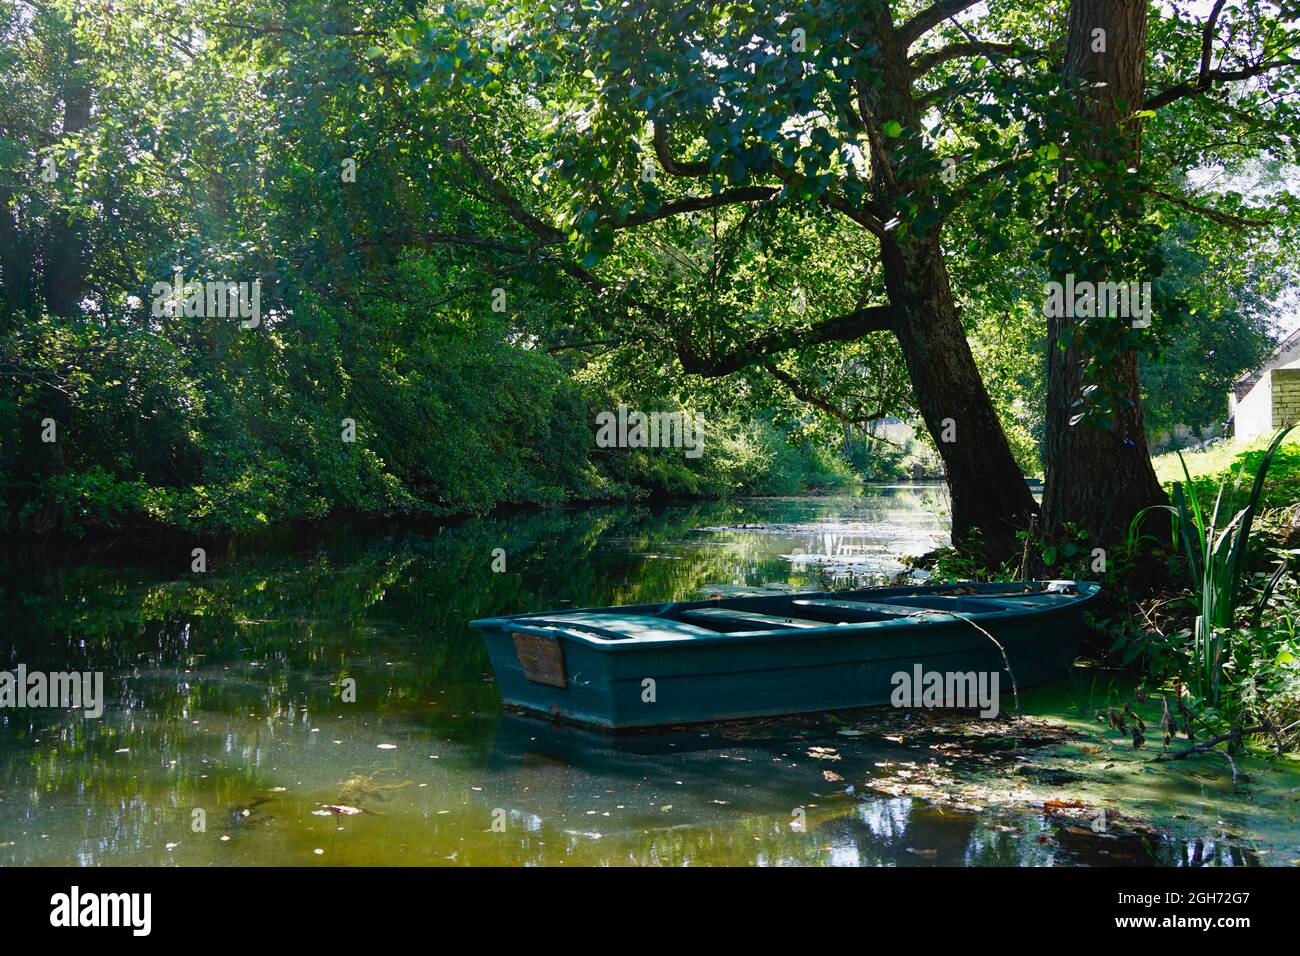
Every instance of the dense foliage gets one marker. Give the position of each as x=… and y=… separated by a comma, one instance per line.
x=468, y=245
x=222, y=155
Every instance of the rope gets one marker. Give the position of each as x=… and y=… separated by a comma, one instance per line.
x=1015, y=690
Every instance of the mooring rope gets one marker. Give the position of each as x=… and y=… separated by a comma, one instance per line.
x=1015, y=690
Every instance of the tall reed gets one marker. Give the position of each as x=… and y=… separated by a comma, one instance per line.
x=1216, y=559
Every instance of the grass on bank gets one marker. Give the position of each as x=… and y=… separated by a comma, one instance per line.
x=1207, y=467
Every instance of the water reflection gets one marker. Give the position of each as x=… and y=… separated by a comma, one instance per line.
x=226, y=696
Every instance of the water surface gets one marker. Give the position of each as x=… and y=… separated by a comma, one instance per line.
x=226, y=705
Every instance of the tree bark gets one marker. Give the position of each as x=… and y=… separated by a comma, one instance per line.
x=987, y=488
x=1097, y=480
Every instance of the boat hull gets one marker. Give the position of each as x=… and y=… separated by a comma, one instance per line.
x=635, y=684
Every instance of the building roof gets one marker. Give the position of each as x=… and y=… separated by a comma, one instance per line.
x=1278, y=359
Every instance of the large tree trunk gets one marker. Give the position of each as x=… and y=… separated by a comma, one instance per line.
x=1096, y=479
x=987, y=489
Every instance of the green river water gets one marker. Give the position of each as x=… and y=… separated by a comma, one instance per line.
x=224, y=706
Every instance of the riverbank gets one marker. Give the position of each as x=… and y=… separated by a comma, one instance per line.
x=754, y=459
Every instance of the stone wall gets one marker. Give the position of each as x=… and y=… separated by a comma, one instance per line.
x=1286, y=396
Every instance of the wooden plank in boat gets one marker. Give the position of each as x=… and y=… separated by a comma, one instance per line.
x=750, y=617
x=619, y=626
x=887, y=610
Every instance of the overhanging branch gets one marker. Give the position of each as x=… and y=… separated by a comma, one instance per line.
x=842, y=328
x=930, y=17
x=665, y=156
x=727, y=197
x=1214, y=215
x=1208, y=79
x=924, y=62
x=809, y=397
x=513, y=207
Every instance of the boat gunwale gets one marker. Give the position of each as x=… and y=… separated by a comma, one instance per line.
x=535, y=621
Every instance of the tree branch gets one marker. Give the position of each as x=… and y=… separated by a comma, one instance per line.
x=537, y=253
x=512, y=206
x=1206, y=80
x=550, y=234
x=983, y=178
x=930, y=17
x=853, y=325
x=1223, y=218
x=879, y=160
x=924, y=62
x=862, y=217
x=809, y=397
x=1207, y=41
x=727, y=197
x=665, y=156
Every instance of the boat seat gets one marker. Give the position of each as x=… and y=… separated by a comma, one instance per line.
x=966, y=604
x=1033, y=600
x=619, y=626
x=751, y=617
x=871, y=607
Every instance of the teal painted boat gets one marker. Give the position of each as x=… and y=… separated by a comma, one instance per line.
x=652, y=665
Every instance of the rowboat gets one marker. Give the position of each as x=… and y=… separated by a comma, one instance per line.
x=655, y=665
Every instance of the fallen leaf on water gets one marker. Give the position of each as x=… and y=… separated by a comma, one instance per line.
x=1063, y=805
x=832, y=776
